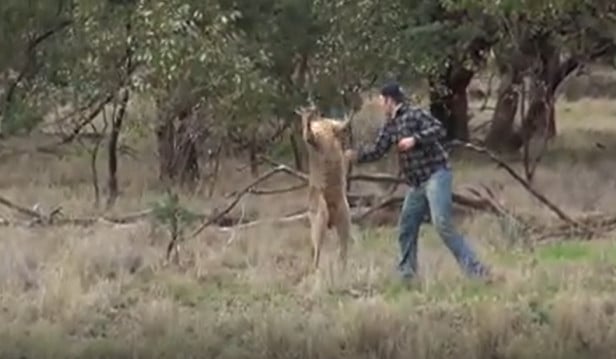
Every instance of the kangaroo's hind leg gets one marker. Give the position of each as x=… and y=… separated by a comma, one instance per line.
x=343, y=230
x=318, y=225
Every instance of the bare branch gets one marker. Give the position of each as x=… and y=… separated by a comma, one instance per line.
x=52, y=218
x=559, y=212
x=383, y=204
x=218, y=214
x=5, y=202
x=88, y=119
x=281, y=220
x=28, y=65
x=278, y=191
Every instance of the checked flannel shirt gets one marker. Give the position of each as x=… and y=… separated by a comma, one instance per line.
x=419, y=162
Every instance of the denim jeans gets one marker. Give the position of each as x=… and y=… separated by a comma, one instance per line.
x=435, y=196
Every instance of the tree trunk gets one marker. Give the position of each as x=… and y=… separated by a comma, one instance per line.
x=539, y=118
x=177, y=150
x=449, y=101
x=501, y=135
x=112, y=149
x=186, y=158
x=252, y=156
x=545, y=81
x=165, y=136
x=549, y=73
x=116, y=127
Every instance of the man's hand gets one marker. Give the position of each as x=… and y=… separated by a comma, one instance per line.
x=406, y=143
x=351, y=155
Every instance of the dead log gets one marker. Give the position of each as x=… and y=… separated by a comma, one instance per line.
x=478, y=204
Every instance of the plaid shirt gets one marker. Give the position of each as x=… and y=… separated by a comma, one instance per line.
x=419, y=162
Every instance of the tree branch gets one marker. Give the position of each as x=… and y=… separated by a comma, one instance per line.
x=28, y=63
x=9, y=204
x=482, y=150
x=218, y=214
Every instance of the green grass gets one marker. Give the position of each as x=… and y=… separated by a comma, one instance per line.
x=559, y=252
x=237, y=311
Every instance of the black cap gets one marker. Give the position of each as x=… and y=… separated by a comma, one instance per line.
x=393, y=90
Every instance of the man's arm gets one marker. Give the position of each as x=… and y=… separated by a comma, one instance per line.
x=378, y=149
x=429, y=128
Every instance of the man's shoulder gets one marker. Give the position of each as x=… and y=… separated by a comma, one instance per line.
x=410, y=112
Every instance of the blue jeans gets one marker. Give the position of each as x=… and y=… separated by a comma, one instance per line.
x=434, y=195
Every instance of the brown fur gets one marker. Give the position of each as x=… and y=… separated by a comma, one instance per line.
x=327, y=199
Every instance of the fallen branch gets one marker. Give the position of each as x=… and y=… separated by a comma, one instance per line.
x=125, y=219
x=19, y=208
x=378, y=178
x=480, y=204
x=218, y=214
x=55, y=219
x=281, y=220
x=559, y=212
x=490, y=201
x=294, y=173
x=278, y=191
x=54, y=216
x=593, y=226
x=383, y=204
x=386, y=178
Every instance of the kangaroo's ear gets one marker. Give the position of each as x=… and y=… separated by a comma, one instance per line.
x=310, y=111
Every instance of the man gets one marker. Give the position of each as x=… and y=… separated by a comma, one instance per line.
x=425, y=166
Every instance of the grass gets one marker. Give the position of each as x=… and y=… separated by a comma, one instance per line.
x=104, y=291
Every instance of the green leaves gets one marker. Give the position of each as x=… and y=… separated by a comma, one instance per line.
x=20, y=117
x=249, y=61
x=169, y=212
x=531, y=8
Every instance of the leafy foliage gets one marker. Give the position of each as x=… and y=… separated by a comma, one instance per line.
x=252, y=62
x=169, y=212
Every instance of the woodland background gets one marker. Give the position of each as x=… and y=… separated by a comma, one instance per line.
x=131, y=126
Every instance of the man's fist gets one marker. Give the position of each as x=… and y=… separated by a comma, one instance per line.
x=406, y=143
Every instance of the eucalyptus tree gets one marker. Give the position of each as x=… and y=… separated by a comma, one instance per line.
x=539, y=42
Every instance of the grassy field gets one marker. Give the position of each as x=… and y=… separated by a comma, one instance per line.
x=104, y=290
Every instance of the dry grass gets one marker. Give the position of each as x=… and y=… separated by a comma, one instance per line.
x=104, y=291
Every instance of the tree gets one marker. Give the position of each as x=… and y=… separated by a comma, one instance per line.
x=539, y=42
x=76, y=54
x=25, y=32
x=327, y=52
x=193, y=61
